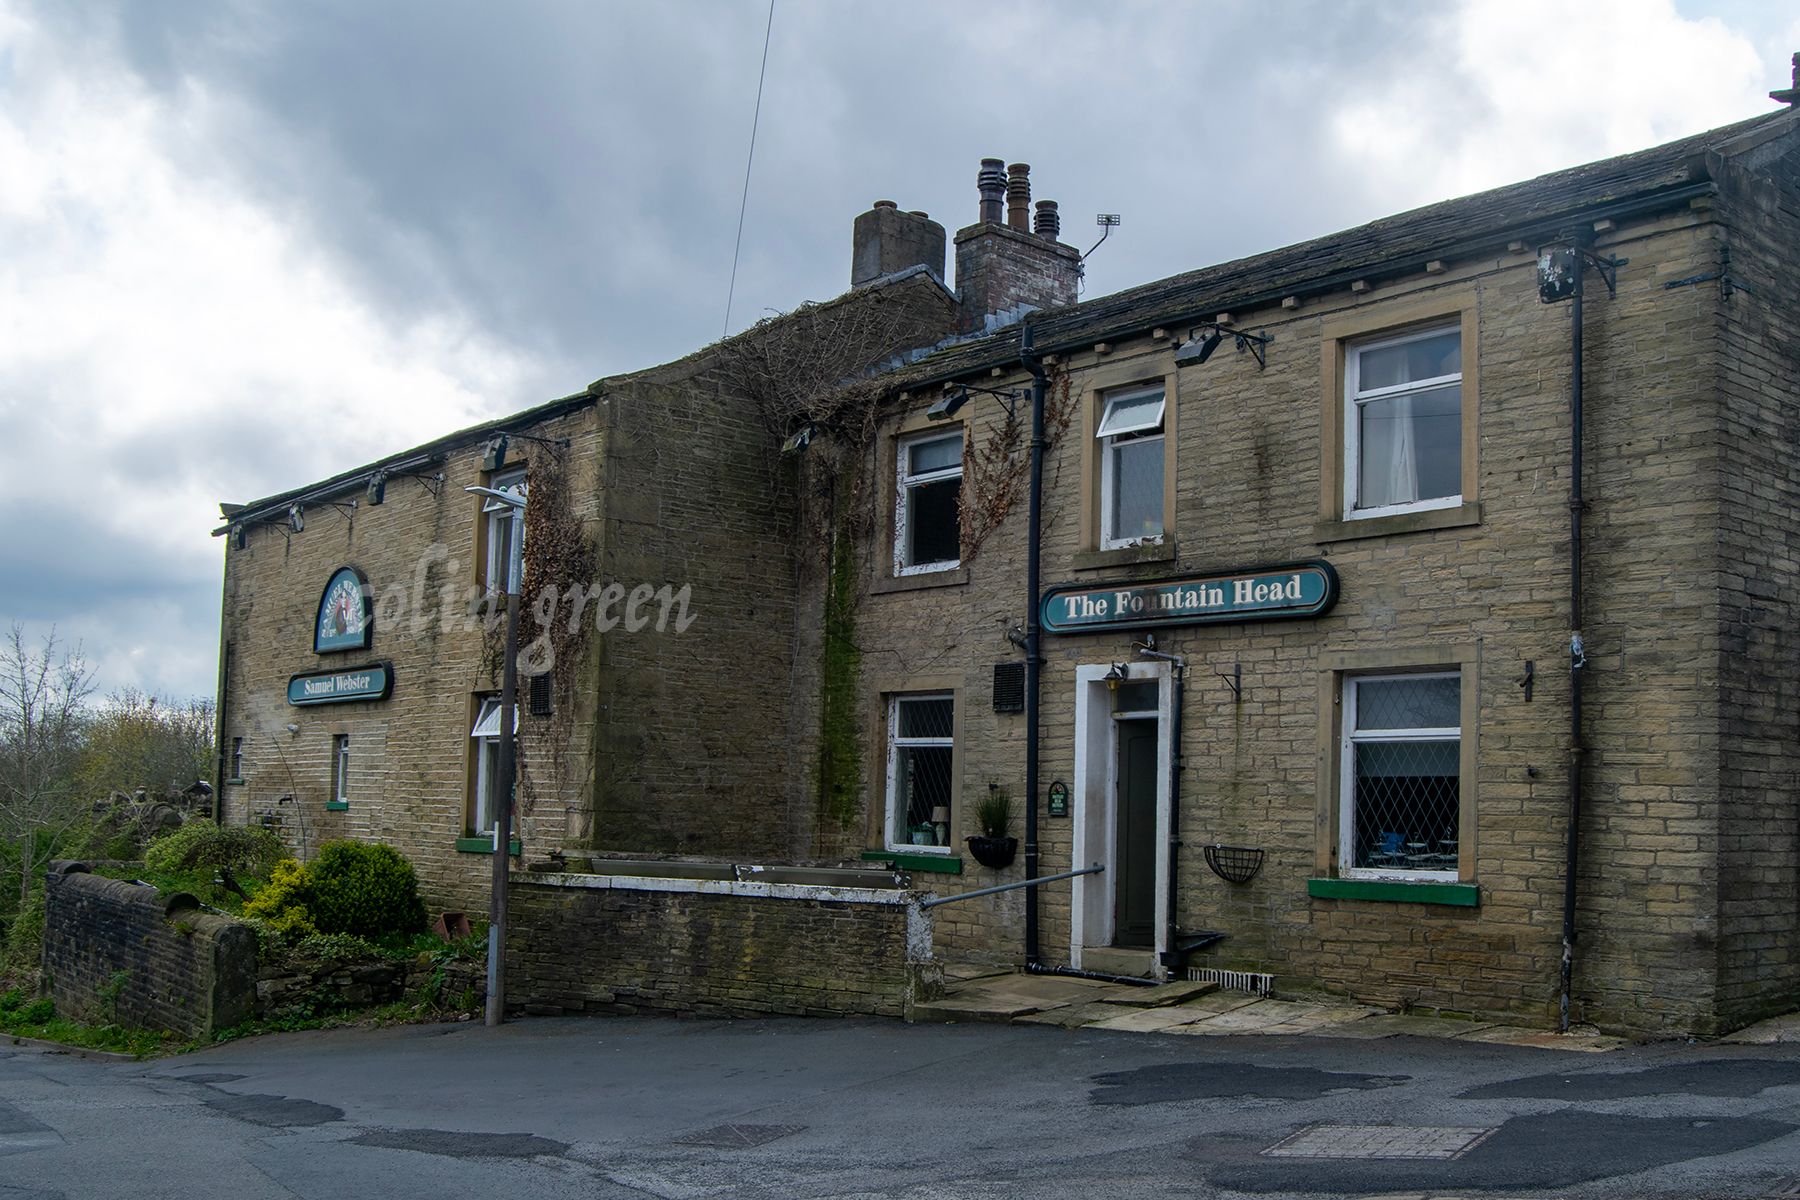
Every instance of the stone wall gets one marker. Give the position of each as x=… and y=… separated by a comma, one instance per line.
x=596, y=943
x=1758, y=853
x=124, y=953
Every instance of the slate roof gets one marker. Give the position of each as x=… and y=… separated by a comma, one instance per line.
x=1536, y=209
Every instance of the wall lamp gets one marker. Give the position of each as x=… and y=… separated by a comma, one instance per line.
x=296, y=518
x=1195, y=351
x=377, y=487
x=493, y=453
x=954, y=398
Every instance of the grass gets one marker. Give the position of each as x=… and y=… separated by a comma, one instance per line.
x=37, y=1019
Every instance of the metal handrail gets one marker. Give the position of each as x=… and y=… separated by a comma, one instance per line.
x=1007, y=887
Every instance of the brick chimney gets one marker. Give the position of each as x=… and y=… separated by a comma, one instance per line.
x=886, y=241
x=1003, y=266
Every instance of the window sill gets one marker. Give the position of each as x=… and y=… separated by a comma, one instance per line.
x=337, y=806
x=1459, y=895
x=930, y=864
x=1465, y=514
x=952, y=577
x=1125, y=556
x=483, y=845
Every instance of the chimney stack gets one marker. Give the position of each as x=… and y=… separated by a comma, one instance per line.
x=1018, y=196
x=1790, y=96
x=886, y=241
x=1004, y=270
x=992, y=185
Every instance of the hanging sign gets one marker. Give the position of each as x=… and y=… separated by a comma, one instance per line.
x=346, y=613
x=373, y=682
x=1307, y=589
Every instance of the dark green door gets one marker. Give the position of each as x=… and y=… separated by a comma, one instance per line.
x=1134, y=866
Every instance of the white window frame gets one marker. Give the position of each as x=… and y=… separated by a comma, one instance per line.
x=895, y=743
x=1355, y=398
x=340, y=768
x=1351, y=737
x=485, y=733
x=906, y=481
x=495, y=513
x=1111, y=437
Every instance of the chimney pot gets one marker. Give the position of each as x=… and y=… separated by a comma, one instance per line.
x=919, y=213
x=884, y=204
x=1049, y=223
x=991, y=183
x=1018, y=197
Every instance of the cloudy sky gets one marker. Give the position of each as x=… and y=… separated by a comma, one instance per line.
x=244, y=245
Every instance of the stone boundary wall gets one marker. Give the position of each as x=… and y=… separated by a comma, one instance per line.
x=609, y=943
x=127, y=954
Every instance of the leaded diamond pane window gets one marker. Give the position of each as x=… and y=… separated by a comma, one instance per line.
x=1402, y=784
x=921, y=759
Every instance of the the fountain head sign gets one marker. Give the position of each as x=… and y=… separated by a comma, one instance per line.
x=1306, y=589
x=373, y=682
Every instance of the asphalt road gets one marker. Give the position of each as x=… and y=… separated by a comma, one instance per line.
x=630, y=1107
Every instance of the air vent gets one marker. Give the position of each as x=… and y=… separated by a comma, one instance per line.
x=1254, y=982
x=1009, y=687
x=542, y=695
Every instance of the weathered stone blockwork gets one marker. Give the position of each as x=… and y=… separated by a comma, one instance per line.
x=124, y=953
x=600, y=944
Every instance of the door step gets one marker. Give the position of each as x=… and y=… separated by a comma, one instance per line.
x=1119, y=960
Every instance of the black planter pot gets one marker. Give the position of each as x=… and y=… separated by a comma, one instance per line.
x=993, y=852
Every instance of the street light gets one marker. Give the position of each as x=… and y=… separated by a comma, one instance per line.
x=509, y=689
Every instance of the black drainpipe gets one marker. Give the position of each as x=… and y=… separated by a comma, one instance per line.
x=1033, y=637
x=1577, y=654
x=1174, y=958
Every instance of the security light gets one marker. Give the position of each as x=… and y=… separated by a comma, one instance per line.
x=377, y=487
x=948, y=406
x=296, y=520
x=801, y=439
x=1194, y=352
x=493, y=454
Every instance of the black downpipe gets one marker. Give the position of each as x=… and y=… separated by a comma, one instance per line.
x=1033, y=638
x=1577, y=654
x=1076, y=973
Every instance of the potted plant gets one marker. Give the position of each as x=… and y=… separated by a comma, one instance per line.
x=992, y=847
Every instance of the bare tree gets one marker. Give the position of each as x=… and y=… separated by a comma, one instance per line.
x=42, y=690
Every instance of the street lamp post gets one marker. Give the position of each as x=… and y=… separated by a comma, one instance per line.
x=509, y=691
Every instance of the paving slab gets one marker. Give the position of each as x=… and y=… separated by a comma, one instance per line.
x=1324, y=1023
x=1405, y=1025
x=1070, y=1016
x=1179, y=992
x=1247, y=1019
x=1774, y=1031
x=971, y=1008
x=1544, y=1039
x=1151, y=1020
x=1220, y=1002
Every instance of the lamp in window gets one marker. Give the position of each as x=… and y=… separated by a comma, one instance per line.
x=940, y=821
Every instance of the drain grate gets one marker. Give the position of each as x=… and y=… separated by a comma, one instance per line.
x=738, y=1137
x=1254, y=982
x=1441, y=1142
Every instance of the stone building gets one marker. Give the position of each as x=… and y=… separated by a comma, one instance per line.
x=1335, y=635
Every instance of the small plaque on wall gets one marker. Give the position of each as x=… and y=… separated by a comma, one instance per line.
x=1059, y=799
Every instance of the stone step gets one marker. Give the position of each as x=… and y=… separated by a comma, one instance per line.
x=1162, y=995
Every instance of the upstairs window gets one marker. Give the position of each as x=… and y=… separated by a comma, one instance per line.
x=1131, y=467
x=504, y=533
x=1403, y=424
x=927, y=521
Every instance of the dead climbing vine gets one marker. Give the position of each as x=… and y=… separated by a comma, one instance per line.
x=996, y=469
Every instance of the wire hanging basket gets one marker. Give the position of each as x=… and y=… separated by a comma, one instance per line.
x=1234, y=864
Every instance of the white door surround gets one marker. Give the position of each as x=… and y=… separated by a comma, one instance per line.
x=1093, y=809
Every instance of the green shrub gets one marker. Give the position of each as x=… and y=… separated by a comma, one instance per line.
x=11, y=1000
x=281, y=903
x=24, y=937
x=353, y=888
x=202, y=845
x=37, y=1012
x=364, y=890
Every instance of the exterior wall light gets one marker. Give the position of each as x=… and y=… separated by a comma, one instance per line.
x=296, y=518
x=377, y=487
x=1194, y=351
